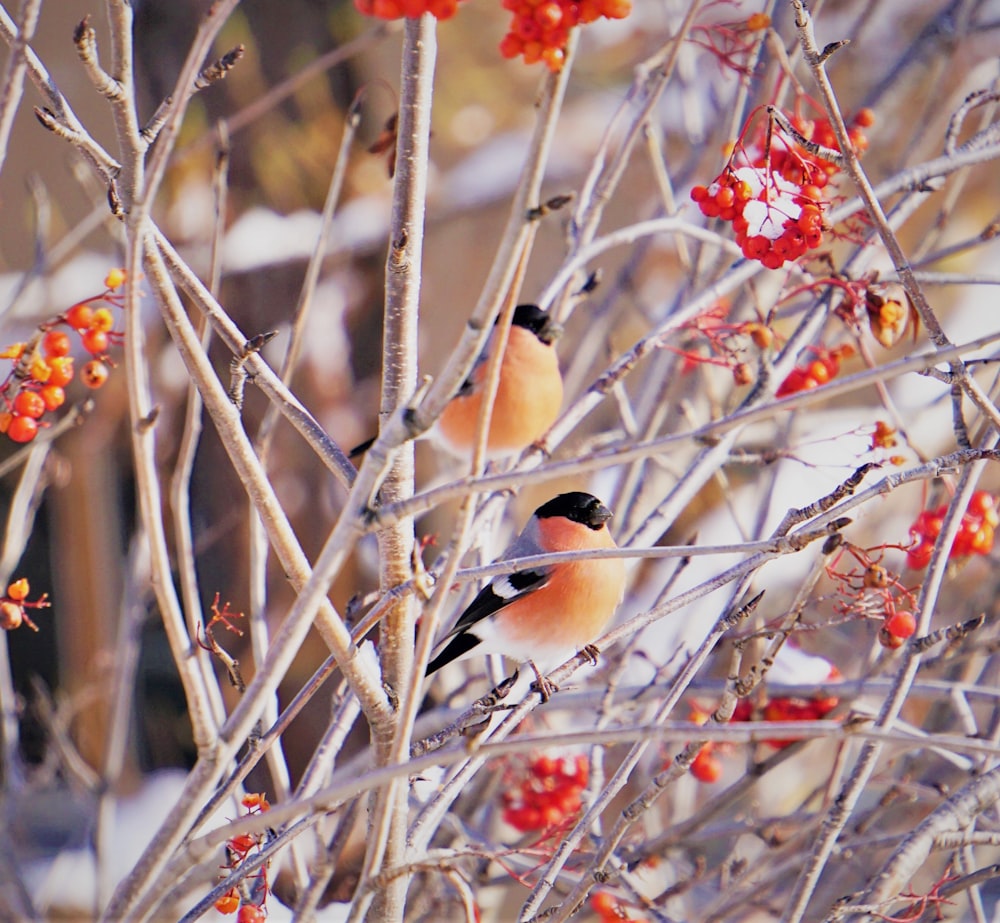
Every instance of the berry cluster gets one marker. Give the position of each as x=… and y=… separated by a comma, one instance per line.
x=773, y=194
x=611, y=910
x=803, y=168
x=14, y=606
x=397, y=9
x=43, y=367
x=825, y=367
x=547, y=794
x=539, y=29
x=707, y=767
x=251, y=903
x=975, y=535
x=773, y=220
x=793, y=708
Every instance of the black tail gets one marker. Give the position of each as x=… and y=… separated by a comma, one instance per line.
x=462, y=643
x=361, y=448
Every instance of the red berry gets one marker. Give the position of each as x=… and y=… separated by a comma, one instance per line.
x=901, y=624
x=250, y=913
x=710, y=208
x=984, y=504
x=22, y=429
x=29, y=404
x=920, y=556
x=442, y=9
x=706, y=767
x=511, y=46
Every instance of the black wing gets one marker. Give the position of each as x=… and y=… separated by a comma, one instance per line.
x=497, y=594
x=492, y=598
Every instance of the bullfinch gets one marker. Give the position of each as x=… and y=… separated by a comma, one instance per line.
x=543, y=616
x=528, y=398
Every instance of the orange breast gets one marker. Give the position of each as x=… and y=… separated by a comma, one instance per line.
x=572, y=609
x=528, y=400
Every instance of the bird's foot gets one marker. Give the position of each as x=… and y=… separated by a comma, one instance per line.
x=542, y=685
x=591, y=652
x=492, y=700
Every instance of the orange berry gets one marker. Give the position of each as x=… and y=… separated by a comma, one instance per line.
x=616, y=9
x=53, y=396
x=554, y=59
x=94, y=374
x=78, y=317
x=19, y=589
x=11, y=615
x=761, y=335
x=5, y=418
x=115, y=279
x=22, y=429
x=865, y=118
x=230, y=901
x=56, y=343
x=758, y=21
x=819, y=372
x=255, y=800
x=29, y=404
x=61, y=371
x=102, y=319
x=96, y=342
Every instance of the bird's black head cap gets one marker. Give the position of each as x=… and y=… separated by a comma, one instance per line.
x=539, y=322
x=579, y=507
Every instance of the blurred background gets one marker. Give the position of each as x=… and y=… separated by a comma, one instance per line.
x=912, y=63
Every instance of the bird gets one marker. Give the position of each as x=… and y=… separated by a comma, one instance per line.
x=528, y=398
x=544, y=615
